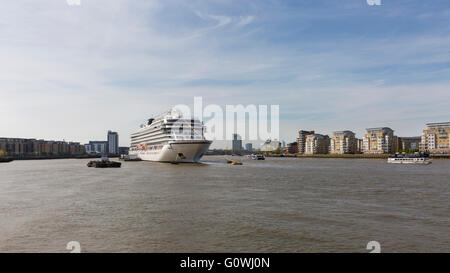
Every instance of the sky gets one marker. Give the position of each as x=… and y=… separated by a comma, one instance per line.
x=73, y=72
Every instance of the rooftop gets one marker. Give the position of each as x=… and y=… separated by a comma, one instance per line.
x=344, y=133
x=379, y=129
x=317, y=136
x=411, y=138
x=438, y=125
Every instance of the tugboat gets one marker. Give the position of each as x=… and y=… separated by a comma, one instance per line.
x=416, y=158
x=104, y=163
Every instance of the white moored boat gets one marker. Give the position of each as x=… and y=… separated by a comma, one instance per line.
x=256, y=157
x=170, y=138
x=416, y=158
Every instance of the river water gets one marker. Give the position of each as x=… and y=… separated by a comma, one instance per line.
x=276, y=205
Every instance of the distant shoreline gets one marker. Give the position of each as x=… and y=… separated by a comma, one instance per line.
x=350, y=156
x=330, y=156
x=345, y=156
x=47, y=157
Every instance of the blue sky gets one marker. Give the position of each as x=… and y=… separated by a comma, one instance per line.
x=330, y=65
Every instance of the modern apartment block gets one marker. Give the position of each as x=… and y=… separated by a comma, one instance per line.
x=435, y=139
x=37, y=147
x=317, y=144
x=113, y=143
x=359, y=145
x=409, y=143
x=379, y=141
x=292, y=148
x=96, y=147
x=343, y=142
x=302, y=140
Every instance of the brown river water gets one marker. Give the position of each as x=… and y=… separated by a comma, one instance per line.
x=276, y=205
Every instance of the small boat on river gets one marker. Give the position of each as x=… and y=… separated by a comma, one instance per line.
x=416, y=158
x=256, y=157
x=104, y=163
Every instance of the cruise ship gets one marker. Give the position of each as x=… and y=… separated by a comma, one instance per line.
x=169, y=137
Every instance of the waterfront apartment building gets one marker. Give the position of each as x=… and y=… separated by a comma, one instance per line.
x=409, y=143
x=436, y=138
x=22, y=147
x=343, y=142
x=317, y=144
x=379, y=141
x=359, y=145
x=96, y=147
x=113, y=143
x=236, y=143
x=292, y=148
x=302, y=140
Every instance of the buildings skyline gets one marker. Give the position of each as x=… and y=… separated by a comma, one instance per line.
x=109, y=147
x=435, y=138
x=19, y=147
x=39, y=147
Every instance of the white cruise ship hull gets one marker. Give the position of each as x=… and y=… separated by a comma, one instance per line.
x=177, y=151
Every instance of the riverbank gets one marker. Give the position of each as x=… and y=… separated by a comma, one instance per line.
x=348, y=156
x=44, y=157
x=440, y=156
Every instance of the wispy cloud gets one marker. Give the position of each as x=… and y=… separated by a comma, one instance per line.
x=245, y=20
x=219, y=21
